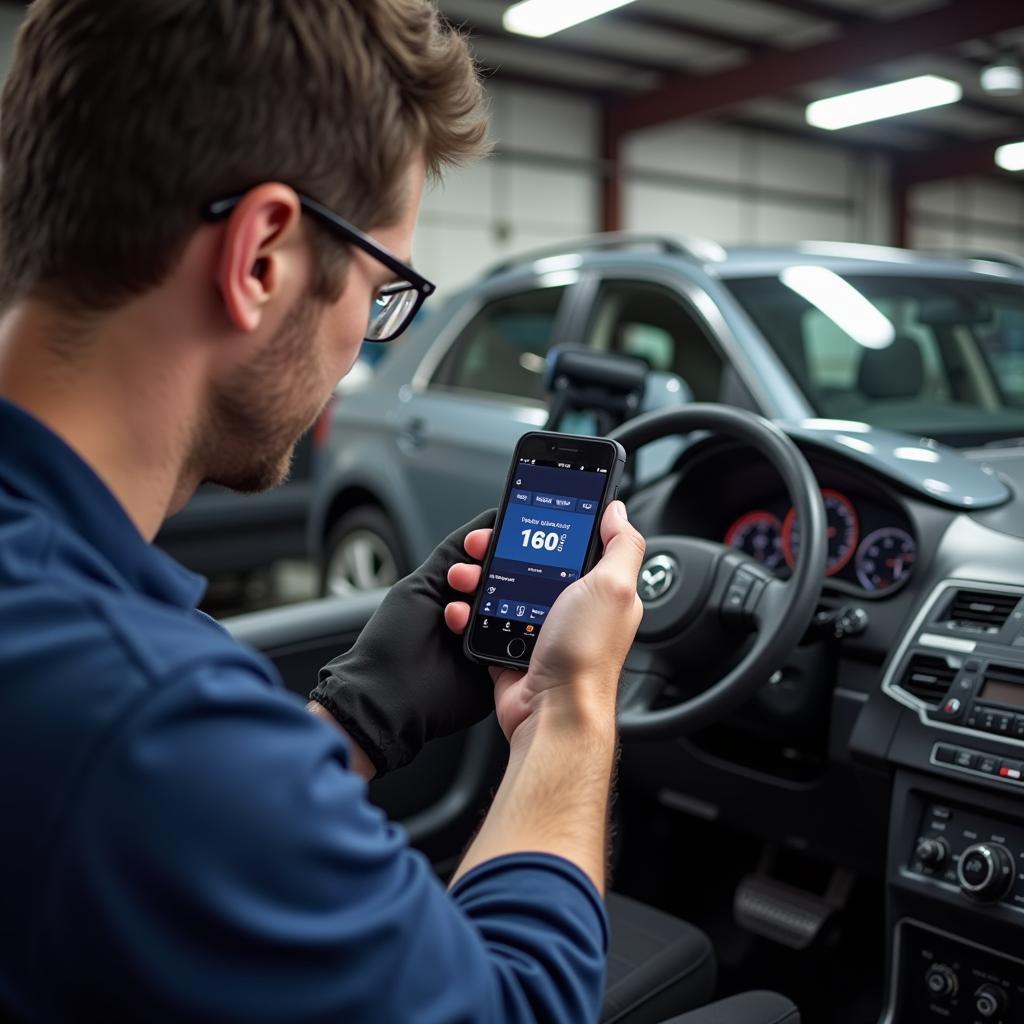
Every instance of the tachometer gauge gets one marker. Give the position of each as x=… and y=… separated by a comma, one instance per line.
x=758, y=534
x=843, y=532
x=885, y=557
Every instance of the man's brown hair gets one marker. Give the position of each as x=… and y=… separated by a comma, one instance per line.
x=120, y=118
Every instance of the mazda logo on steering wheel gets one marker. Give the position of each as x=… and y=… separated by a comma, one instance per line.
x=657, y=577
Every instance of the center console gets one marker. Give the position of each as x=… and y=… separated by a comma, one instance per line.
x=954, y=690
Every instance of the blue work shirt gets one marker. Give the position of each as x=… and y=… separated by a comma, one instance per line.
x=183, y=841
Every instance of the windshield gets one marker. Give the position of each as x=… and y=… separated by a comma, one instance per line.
x=941, y=357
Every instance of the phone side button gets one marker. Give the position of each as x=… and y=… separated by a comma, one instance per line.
x=516, y=648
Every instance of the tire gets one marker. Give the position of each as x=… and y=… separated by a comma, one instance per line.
x=362, y=553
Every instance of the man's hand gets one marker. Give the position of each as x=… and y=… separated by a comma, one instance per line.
x=559, y=716
x=406, y=681
x=575, y=667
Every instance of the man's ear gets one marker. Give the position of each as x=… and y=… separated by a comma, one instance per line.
x=254, y=252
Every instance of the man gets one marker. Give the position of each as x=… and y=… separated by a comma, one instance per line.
x=182, y=839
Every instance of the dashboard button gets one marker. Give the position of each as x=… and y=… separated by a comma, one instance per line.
x=1012, y=770
x=988, y=765
x=944, y=754
x=952, y=708
x=1003, y=724
x=965, y=759
x=1018, y=726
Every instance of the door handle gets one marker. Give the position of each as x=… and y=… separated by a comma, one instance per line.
x=414, y=432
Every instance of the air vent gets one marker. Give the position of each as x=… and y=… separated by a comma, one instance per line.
x=981, y=610
x=927, y=677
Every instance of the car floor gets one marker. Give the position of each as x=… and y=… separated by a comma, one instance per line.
x=694, y=873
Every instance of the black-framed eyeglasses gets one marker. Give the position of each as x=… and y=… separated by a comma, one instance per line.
x=396, y=304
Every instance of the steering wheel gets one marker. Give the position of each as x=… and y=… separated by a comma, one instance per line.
x=703, y=600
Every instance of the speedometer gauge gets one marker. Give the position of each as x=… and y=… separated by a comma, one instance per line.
x=843, y=532
x=885, y=557
x=758, y=534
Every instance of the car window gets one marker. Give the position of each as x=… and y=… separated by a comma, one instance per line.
x=834, y=357
x=503, y=349
x=941, y=356
x=654, y=324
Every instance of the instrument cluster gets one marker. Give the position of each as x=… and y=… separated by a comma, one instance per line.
x=867, y=549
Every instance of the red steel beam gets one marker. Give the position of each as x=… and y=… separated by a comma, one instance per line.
x=859, y=47
x=956, y=162
x=612, y=185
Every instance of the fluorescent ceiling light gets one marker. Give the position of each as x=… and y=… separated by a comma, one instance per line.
x=842, y=304
x=1004, y=78
x=541, y=18
x=1011, y=156
x=883, y=101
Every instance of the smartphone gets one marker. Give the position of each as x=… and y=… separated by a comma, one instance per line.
x=546, y=536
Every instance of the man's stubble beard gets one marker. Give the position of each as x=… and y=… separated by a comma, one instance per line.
x=255, y=421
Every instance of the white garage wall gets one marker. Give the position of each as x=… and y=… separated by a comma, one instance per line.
x=975, y=214
x=747, y=186
x=541, y=186
x=735, y=185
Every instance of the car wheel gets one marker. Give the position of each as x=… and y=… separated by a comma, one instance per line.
x=362, y=553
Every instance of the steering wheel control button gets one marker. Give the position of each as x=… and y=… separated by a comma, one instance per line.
x=990, y=1001
x=741, y=595
x=516, y=648
x=986, y=872
x=942, y=981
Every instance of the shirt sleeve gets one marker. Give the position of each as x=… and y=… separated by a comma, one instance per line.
x=221, y=863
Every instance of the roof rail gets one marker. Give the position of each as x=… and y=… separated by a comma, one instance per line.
x=1008, y=259
x=700, y=249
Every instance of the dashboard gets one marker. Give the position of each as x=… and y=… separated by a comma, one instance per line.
x=737, y=499
x=869, y=545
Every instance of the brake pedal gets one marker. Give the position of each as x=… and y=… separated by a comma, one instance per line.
x=785, y=913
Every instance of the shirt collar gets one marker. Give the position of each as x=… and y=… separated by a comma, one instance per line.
x=39, y=467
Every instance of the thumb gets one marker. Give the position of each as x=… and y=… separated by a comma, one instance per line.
x=624, y=546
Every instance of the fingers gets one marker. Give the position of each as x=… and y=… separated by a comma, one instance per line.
x=464, y=577
x=476, y=543
x=623, y=546
x=456, y=616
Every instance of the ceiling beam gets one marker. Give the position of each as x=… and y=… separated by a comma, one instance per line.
x=561, y=48
x=823, y=12
x=675, y=26
x=959, y=161
x=861, y=46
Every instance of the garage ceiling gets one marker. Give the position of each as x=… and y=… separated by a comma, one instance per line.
x=760, y=61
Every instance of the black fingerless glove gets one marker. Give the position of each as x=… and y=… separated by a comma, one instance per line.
x=406, y=679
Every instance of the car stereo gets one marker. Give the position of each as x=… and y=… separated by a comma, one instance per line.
x=961, y=668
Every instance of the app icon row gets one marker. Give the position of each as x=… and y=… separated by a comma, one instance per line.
x=558, y=503
x=509, y=608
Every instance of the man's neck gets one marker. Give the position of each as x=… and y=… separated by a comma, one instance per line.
x=109, y=395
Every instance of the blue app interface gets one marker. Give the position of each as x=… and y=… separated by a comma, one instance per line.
x=541, y=548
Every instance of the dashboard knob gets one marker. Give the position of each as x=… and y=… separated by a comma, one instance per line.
x=986, y=871
x=942, y=981
x=990, y=1001
x=931, y=851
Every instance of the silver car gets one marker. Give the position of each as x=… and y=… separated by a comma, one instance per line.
x=927, y=345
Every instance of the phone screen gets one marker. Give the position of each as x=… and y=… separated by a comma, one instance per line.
x=549, y=525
